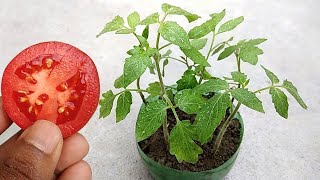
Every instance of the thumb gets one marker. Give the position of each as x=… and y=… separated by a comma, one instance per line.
x=34, y=155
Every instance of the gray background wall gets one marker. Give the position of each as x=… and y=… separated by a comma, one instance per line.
x=273, y=148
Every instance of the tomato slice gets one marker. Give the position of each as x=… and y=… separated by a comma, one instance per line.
x=53, y=81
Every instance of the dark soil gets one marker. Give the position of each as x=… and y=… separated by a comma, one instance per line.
x=155, y=147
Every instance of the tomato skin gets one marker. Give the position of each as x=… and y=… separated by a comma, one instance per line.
x=74, y=60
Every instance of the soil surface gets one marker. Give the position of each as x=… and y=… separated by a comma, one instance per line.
x=155, y=149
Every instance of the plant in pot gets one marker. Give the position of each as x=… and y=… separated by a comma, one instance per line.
x=190, y=130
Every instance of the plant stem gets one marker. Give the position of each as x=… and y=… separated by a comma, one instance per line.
x=140, y=93
x=178, y=60
x=224, y=128
x=266, y=88
x=165, y=46
x=208, y=55
x=172, y=108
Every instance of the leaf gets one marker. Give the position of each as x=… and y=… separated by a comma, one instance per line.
x=230, y=25
x=125, y=31
x=250, y=54
x=170, y=9
x=150, y=118
x=280, y=102
x=145, y=32
x=211, y=115
x=143, y=41
x=135, y=50
x=155, y=89
x=195, y=56
x=254, y=42
x=199, y=43
x=218, y=49
x=151, y=19
x=294, y=92
x=106, y=104
x=133, y=19
x=207, y=27
x=167, y=54
x=116, y=24
x=213, y=85
x=123, y=105
x=239, y=77
x=152, y=69
x=273, y=78
x=174, y=33
x=165, y=63
x=189, y=102
x=134, y=67
x=248, y=99
x=181, y=144
x=187, y=81
x=227, y=52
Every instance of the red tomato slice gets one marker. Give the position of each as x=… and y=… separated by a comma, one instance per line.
x=53, y=81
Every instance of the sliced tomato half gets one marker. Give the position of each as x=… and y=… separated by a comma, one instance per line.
x=51, y=81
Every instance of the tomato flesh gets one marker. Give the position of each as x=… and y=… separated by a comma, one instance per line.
x=53, y=81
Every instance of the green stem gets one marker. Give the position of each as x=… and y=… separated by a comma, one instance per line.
x=208, y=55
x=140, y=93
x=177, y=60
x=266, y=88
x=172, y=108
x=165, y=46
x=224, y=128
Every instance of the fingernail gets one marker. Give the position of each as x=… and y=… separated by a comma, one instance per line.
x=44, y=135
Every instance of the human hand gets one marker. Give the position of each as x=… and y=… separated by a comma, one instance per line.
x=39, y=152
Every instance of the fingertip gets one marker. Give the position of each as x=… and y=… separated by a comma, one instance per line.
x=78, y=171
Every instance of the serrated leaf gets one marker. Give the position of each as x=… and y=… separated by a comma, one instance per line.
x=145, y=32
x=123, y=105
x=135, y=50
x=230, y=25
x=254, y=42
x=218, y=49
x=280, y=102
x=212, y=85
x=170, y=9
x=188, y=101
x=294, y=92
x=174, y=33
x=106, y=104
x=207, y=27
x=211, y=115
x=239, y=77
x=181, y=143
x=150, y=118
x=247, y=98
x=227, y=52
x=165, y=63
x=250, y=54
x=273, y=78
x=199, y=43
x=134, y=67
x=125, y=31
x=154, y=88
x=187, y=81
x=133, y=19
x=195, y=56
x=116, y=24
x=143, y=41
x=151, y=19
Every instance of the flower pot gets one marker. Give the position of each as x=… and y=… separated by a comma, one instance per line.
x=161, y=172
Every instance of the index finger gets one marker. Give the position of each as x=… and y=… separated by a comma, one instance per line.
x=5, y=121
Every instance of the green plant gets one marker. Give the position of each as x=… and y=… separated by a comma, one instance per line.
x=191, y=93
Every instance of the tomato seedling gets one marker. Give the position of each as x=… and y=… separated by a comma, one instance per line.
x=198, y=91
x=51, y=81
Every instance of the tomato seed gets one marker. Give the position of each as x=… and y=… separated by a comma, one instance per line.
x=30, y=109
x=24, y=99
x=61, y=109
x=49, y=62
x=39, y=102
x=31, y=80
